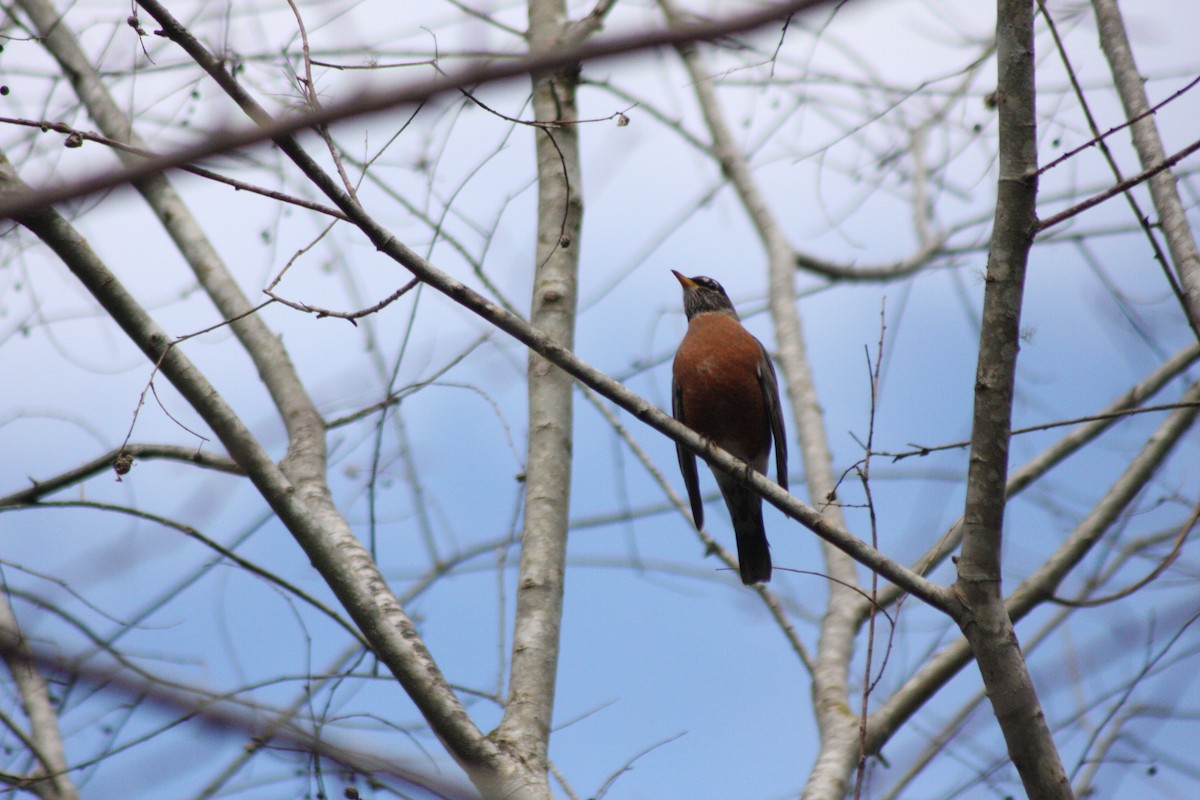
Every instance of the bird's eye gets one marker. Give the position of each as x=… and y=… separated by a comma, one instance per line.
x=708, y=283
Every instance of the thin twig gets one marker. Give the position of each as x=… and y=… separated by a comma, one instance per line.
x=1119, y=188
x=76, y=135
x=1170, y=558
x=376, y=101
x=350, y=316
x=1142, y=219
x=864, y=473
x=924, y=450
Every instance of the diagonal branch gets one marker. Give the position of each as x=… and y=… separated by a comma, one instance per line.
x=1040, y=587
x=1056, y=453
x=370, y=102
x=711, y=545
x=306, y=441
x=547, y=347
x=145, y=452
x=227, y=712
x=324, y=535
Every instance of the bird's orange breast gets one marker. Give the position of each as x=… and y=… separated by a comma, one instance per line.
x=716, y=372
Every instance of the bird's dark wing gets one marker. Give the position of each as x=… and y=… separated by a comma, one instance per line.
x=687, y=460
x=770, y=390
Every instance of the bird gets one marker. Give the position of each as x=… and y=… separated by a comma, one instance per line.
x=723, y=387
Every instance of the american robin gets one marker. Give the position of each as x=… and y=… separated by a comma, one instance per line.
x=724, y=388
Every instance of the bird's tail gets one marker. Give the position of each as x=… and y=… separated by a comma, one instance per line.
x=754, y=553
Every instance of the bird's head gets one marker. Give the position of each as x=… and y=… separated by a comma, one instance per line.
x=702, y=294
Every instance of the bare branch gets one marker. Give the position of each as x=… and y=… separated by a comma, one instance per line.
x=1054, y=455
x=324, y=535
x=1157, y=168
x=373, y=102
x=1158, y=570
x=75, y=134
x=51, y=780
x=1146, y=140
x=982, y=617
x=144, y=452
x=541, y=577
x=228, y=713
x=1040, y=587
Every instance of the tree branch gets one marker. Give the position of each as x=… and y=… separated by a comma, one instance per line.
x=1056, y=453
x=145, y=452
x=306, y=442
x=983, y=617
x=537, y=629
x=370, y=102
x=225, y=712
x=1146, y=140
x=1039, y=587
x=50, y=780
x=554, y=352
x=325, y=537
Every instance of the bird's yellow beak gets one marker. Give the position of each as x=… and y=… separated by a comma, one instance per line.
x=687, y=282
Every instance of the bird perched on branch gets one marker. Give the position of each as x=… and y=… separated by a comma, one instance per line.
x=724, y=388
